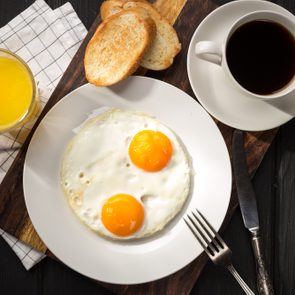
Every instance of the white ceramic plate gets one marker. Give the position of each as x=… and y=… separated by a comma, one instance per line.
x=214, y=89
x=137, y=261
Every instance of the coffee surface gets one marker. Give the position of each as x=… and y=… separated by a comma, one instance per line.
x=261, y=56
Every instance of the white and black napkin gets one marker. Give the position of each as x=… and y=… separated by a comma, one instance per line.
x=46, y=40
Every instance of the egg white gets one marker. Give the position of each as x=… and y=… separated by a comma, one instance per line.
x=96, y=166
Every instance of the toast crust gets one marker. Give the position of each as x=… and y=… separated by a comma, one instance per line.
x=110, y=7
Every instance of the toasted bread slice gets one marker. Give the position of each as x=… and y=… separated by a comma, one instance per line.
x=166, y=44
x=118, y=45
x=110, y=7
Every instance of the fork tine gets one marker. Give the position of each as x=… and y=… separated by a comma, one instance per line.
x=207, y=231
x=209, y=225
x=197, y=228
x=217, y=236
x=193, y=230
x=204, y=226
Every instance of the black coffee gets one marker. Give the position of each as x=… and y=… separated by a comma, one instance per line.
x=261, y=56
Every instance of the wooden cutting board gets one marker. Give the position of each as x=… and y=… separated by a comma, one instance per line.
x=186, y=16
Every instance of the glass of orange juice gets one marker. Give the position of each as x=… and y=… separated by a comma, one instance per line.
x=18, y=95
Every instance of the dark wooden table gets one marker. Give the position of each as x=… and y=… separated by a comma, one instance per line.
x=274, y=184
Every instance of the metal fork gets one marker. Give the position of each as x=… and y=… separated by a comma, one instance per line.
x=213, y=244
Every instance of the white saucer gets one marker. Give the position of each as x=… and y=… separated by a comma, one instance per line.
x=213, y=88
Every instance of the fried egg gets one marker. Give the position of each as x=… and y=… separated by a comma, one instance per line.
x=125, y=174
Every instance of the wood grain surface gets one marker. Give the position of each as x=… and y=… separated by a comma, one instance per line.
x=13, y=215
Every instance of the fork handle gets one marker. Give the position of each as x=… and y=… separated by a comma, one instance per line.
x=264, y=284
x=242, y=283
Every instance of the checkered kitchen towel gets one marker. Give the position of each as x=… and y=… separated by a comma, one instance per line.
x=47, y=40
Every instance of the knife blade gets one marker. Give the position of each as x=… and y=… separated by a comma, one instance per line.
x=248, y=206
x=246, y=194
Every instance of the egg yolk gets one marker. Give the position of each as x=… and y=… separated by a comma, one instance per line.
x=150, y=150
x=122, y=215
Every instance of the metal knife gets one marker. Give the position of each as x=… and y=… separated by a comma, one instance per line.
x=248, y=206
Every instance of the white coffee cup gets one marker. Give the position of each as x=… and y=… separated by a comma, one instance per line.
x=215, y=52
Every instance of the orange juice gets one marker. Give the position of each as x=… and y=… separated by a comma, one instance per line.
x=17, y=91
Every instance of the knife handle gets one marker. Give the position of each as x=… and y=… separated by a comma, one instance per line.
x=264, y=284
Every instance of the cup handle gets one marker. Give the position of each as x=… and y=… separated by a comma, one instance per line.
x=209, y=51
